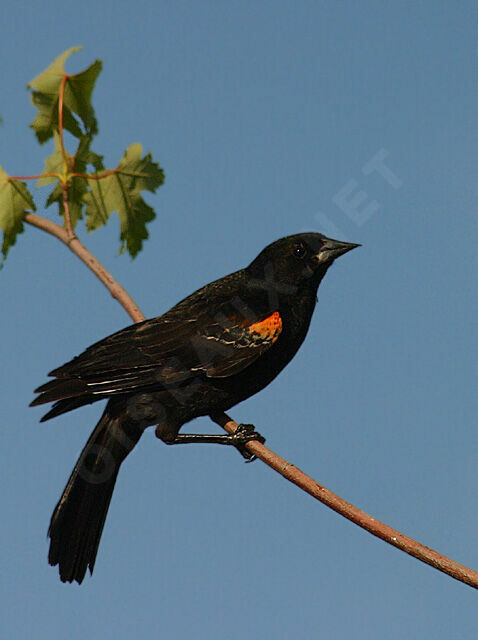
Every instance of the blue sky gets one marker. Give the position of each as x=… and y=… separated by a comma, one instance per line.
x=267, y=118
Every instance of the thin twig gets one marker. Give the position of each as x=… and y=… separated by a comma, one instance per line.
x=286, y=469
x=66, y=212
x=355, y=515
x=61, y=94
x=116, y=290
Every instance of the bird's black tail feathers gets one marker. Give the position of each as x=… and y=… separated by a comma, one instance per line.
x=77, y=522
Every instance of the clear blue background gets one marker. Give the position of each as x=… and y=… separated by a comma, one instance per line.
x=260, y=114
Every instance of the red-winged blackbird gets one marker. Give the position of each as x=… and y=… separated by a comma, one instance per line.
x=219, y=346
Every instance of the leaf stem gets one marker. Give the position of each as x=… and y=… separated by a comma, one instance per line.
x=38, y=177
x=60, y=122
x=95, y=176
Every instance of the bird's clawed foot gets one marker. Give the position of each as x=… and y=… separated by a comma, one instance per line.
x=242, y=435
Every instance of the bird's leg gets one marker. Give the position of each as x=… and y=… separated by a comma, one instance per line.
x=243, y=434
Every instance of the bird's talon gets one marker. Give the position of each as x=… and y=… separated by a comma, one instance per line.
x=247, y=432
x=242, y=435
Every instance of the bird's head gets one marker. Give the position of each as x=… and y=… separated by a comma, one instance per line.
x=296, y=261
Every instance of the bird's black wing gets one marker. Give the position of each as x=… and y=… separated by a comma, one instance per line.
x=164, y=353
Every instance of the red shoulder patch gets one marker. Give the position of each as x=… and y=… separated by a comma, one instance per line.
x=268, y=329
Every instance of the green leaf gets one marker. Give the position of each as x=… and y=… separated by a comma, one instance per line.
x=77, y=186
x=76, y=99
x=49, y=80
x=46, y=122
x=121, y=192
x=84, y=156
x=15, y=202
x=78, y=92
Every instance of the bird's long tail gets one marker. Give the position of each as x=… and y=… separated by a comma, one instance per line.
x=78, y=519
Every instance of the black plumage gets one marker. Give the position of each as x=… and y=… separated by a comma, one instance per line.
x=215, y=348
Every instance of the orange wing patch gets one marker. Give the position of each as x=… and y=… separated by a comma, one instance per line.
x=268, y=329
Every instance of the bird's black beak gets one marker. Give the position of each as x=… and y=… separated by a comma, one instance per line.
x=332, y=249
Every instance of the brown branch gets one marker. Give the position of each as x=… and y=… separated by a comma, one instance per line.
x=355, y=515
x=286, y=469
x=66, y=212
x=116, y=290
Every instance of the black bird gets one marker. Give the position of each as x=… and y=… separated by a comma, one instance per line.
x=215, y=348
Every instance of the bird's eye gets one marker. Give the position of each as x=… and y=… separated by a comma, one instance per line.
x=299, y=250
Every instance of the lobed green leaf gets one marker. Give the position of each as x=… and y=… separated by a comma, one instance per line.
x=121, y=192
x=15, y=202
x=76, y=99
